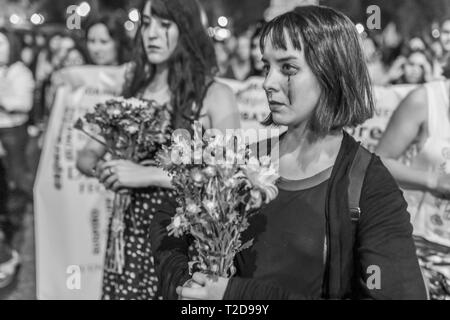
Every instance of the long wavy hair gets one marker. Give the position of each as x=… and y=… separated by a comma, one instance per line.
x=191, y=67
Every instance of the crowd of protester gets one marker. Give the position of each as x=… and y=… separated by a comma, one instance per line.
x=29, y=60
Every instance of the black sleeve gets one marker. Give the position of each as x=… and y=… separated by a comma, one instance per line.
x=384, y=241
x=253, y=289
x=170, y=254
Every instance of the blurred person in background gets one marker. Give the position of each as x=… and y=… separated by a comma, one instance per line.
x=373, y=56
x=392, y=43
x=239, y=67
x=73, y=54
x=16, y=100
x=414, y=68
x=416, y=149
x=416, y=43
x=49, y=60
x=28, y=54
x=107, y=42
x=76, y=56
x=443, y=63
x=70, y=53
x=48, y=56
x=437, y=49
x=222, y=55
x=9, y=258
x=257, y=65
x=437, y=52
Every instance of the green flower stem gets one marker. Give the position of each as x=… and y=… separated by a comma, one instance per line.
x=99, y=141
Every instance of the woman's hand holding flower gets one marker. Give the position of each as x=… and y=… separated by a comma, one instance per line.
x=203, y=288
x=119, y=174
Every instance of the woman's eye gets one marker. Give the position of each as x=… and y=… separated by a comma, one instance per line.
x=166, y=24
x=289, y=69
x=266, y=69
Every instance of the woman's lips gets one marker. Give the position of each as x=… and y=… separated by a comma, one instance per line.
x=275, y=105
x=153, y=48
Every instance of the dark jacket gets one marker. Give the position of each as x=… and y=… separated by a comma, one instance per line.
x=383, y=240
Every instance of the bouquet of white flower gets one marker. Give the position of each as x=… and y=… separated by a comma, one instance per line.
x=219, y=189
x=130, y=129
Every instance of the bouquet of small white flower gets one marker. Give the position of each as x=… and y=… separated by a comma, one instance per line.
x=130, y=129
x=219, y=189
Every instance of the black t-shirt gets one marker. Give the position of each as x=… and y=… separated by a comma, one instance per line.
x=289, y=237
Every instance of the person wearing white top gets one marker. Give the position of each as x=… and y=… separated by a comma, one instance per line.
x=16, y=100
x=416, y=149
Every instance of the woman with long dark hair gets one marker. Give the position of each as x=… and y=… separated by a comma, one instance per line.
x=338, y=228
x=174, y=63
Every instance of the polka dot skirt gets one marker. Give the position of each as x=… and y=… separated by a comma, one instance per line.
x=138, y=280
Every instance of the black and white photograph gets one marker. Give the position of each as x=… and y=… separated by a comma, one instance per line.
x=229, y=150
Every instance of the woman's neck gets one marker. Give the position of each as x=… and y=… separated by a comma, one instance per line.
x=304, y=153
x=160, y=79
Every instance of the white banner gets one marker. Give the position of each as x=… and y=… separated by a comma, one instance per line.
x=71, y=210
x=253, y=106
x=251, y=100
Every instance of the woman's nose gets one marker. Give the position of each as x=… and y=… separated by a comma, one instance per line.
x=94, y=45
x=152, y=31
x=271, y=83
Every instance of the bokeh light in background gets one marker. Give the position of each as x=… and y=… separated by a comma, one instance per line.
x=221, y=34
x=37, y=19
x=83, y=9
x=359, y=28
x=222, y=21
x=14, y=19
x=436, y=33
x=133, y=15
x=129, y=25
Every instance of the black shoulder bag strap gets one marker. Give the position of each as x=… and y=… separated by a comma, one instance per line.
x=356, y=179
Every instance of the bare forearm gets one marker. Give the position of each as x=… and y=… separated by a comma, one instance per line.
x=159, y=178
x=410, y=178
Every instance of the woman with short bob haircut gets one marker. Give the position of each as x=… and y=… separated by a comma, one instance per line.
x=338, y=228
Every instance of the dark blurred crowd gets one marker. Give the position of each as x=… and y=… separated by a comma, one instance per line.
x=28, y=62
x=417, y=59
